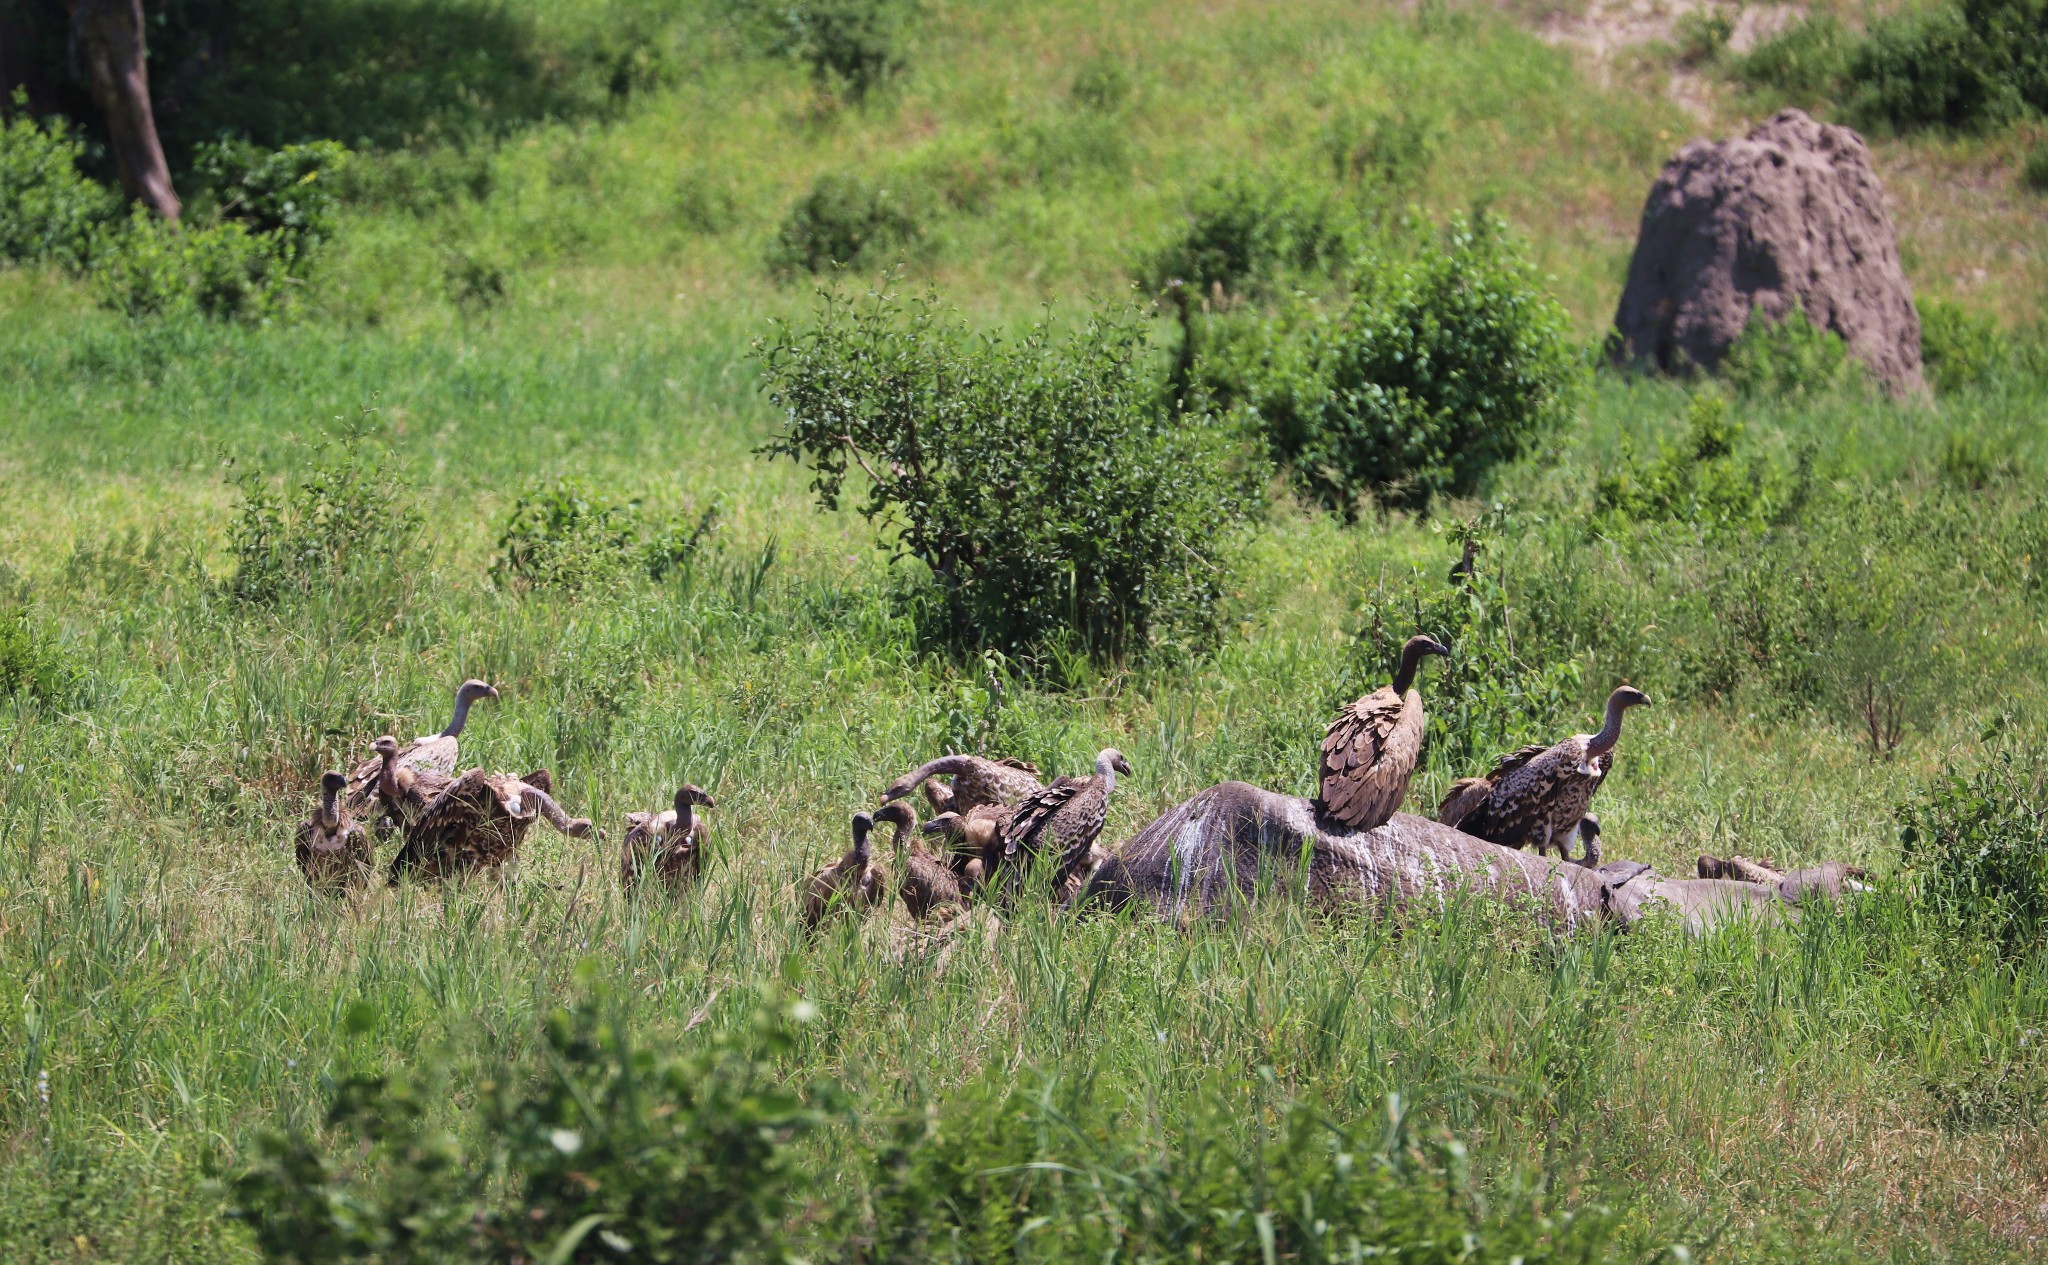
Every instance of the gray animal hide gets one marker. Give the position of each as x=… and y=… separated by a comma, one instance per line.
x=1232, y=843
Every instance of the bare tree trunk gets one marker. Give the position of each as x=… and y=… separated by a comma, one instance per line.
x=107, y=39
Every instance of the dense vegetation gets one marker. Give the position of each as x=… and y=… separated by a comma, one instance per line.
x=498, y=389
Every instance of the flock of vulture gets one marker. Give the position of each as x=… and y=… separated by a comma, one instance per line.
x=996, y=823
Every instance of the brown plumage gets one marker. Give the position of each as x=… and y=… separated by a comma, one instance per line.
x=434, y=752
x=332, y=849
x=974, y=841
x=1067, y=815
x=977, y=780
x=477, y=823
x=672, y=841
x=401, y=792
x=1369, y=750
x=1461, y=570
x=853, y=884
x=1539, y=796
x=929, y=889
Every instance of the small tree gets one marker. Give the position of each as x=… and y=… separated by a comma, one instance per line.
x=1035, y=476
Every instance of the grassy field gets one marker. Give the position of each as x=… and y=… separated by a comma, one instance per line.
x=1861, y=1086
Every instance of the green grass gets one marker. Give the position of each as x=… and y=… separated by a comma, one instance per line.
x=1784, y=1095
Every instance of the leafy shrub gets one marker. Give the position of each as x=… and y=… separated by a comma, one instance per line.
x=418, y=181
x=845, y=220
x=475, y=280
x=853, y=46
x=1957, y=65
x=705, y=200
x=1978, y=843
x=291, y=193
x=609, y=1150
x=224, y=272
x=562, y=535
x=1702, y=483
x=49, y=212
x=1383, y=151
x=1807, y=60
x=1789, y=359
x=1103, y=84
x=2034, y=169
x=1702, y=34
x=33, y=665
x=1250, y=225
x=350, y=514
x=1958, y=348
x=1034, y=475
x=1445, y=363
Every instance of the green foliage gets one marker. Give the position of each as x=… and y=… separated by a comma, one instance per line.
x=1249, y=226
x=1958, y=65
x=1702, y=34
x=846, y=220
x=853, y=46
x=1381, y=153
x=608, y=1148
x=563, y=535
x=347, y=517
x=1807, y=61
x=49, y=211
x=34, y=666
x=1444, y=364
x=1789, y=359
x=1102, y=84
x=291, y=194
x=152, y=269
x=1959, y=348
x=1034, y=476
x=1703, y=482
x=1977, y=842
x=2034, y=168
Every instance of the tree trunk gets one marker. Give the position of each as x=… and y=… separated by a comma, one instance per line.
x=108, y=41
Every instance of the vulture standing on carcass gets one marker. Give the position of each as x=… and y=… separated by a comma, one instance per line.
x=1067, y=815
x=1538, y=796
x=672, y=841
x=434, y=752
x=977, y=780
x=853, y=883
x=974, y=841
x=402, y=792
x=477, y=824
x=333, y=852
x=929, y=889
x=1369, y=751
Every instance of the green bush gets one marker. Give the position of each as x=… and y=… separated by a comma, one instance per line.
x=854, y=46
x=49, y=212
x=1807, y=60
x=1789, y=359
x=33, y=666
x=225, y=272
x=1035, y=475
x=1381, y=153
x=291, y=194
x=562, y=535
x=1249, y=226
x=1702, y=483
x=1103, y=84
x=348, y=515
x=1959, y=348
x=1957, y=65
x=1978, y=843
x=1445, y=363
x=601, y=1149
x=1702, y=34
x=846, y=220
x=2034, y=168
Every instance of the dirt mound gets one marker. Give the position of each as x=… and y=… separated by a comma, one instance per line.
x=1789, y=215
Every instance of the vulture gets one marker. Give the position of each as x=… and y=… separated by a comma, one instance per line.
x=1538, y=796
x=1067, y=815
x=333, y=852
x=672, y=841
x=402, y=792
x=852, y=883
x=974, y=841
x=1369, y=750
x=977, y=780
x=929, y=889
x=436, y=752
x=1461, y=570
x=477, y=823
